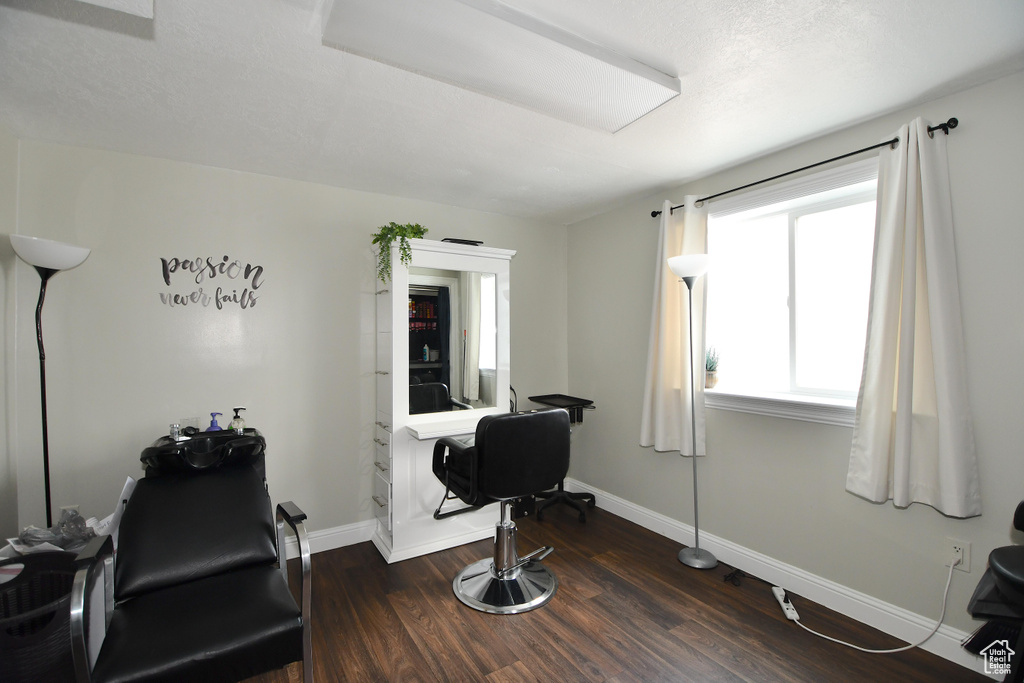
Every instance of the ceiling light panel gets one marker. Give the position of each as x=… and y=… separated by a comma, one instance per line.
x=491, y=48
x=140, y=8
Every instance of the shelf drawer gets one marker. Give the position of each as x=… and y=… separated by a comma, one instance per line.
x=382, y=452
x=381, y=500
x=384, y=358
x=383, y=308
x=384, y=389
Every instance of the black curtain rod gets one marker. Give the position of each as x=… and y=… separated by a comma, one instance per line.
x=944, y=127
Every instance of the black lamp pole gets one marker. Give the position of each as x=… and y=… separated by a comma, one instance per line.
x=44, y=275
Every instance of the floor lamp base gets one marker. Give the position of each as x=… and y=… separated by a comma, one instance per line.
x=697, y=558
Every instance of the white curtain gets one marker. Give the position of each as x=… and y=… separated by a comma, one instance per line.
x=470, y=294
x=666, y=411
x=913, y=439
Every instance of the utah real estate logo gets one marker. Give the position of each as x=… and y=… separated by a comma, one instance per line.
x=997, y=656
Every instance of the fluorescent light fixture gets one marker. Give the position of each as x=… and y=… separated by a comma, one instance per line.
x=140, y=8
x=489, y=47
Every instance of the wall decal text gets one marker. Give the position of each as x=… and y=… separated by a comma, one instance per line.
x=207, y=270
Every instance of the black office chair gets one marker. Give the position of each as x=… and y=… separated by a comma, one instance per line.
x=432, y=397
x=199, y=590
x=512, y=456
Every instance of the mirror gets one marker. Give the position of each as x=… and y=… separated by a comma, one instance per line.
x=453, y=340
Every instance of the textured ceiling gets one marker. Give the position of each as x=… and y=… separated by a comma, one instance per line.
x=247, y=85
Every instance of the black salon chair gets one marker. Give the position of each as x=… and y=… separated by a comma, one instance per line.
x=511, y=456
x=1004, y=597
x=432, y=397
x=199, y=590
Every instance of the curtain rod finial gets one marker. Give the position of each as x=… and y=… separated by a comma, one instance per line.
x=655, y=214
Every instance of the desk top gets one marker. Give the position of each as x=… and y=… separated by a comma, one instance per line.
x=562, y=401
x=574, y=405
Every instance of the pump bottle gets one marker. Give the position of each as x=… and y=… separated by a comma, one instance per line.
x=237, y=423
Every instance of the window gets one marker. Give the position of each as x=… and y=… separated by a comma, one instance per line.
x=488, y=322
x=787, y=295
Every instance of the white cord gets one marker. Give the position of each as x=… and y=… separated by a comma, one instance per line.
x=935, y=630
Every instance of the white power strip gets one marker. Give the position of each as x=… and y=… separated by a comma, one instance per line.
x=787, y=606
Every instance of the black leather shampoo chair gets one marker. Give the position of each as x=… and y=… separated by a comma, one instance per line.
x=511, y=456
x=1000, y=596
x=199, y=589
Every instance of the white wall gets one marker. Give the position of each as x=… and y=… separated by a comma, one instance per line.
x=774, y=485
x=121, y=365
x=8, y=214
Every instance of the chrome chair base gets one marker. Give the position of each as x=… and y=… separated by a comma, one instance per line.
x=520, y=590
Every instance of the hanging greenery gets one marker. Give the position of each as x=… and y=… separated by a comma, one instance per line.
x=385, y=236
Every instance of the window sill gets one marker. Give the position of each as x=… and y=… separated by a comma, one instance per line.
x=822, y=410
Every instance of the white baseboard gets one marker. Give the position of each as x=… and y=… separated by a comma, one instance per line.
x=884, y=616
x=337, y=537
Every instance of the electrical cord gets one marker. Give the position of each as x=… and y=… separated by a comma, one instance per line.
x=945, y=595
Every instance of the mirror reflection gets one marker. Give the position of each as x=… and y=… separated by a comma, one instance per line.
x=453, y=340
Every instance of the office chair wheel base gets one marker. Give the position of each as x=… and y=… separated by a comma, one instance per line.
x=529, y=587
x=698, y=558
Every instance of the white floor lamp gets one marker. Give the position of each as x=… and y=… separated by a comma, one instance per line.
x=690, y=267
x=48, y=258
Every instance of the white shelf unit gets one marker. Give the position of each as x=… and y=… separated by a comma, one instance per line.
x=405, y=491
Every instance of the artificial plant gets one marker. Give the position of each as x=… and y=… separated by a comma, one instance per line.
x=385, y=236
x=711, y=359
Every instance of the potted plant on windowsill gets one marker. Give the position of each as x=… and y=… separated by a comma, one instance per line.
x=385, y=236
x=710, y=368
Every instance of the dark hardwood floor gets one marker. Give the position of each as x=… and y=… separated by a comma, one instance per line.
x=626, y=610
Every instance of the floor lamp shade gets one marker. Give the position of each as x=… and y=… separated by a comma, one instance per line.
x=48, y=258
x=48, y=254
x=689, y=267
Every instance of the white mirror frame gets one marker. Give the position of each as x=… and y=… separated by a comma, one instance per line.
x=455, y=257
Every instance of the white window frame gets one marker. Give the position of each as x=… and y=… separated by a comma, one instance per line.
x=832, y=410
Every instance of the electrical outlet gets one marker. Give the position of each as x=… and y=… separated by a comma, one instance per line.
x=961, y=549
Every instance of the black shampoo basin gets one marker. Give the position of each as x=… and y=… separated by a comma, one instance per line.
x=203, y=450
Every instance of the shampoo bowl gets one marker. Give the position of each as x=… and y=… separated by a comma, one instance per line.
x=202, y=451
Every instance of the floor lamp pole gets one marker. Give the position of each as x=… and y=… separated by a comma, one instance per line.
x=48, y=258
x=694, y=557
x=44, y=276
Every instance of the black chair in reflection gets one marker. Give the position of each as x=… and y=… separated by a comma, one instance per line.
x=511, y=456
x=432, y=397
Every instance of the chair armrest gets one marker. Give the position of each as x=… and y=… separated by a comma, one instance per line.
x=292, y=513
x=98, y=554
x=437, y=462
x=458, y=447
x=460, y=405
x=288, y=513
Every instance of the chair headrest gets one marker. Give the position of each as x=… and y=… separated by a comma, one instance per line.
x=522, y=453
